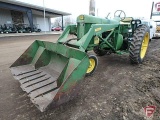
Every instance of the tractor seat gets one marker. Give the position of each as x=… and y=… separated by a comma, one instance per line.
x=126, y=21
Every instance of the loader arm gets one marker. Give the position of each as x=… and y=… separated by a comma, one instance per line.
x=88, y=32
x=96, y=30
x=88, y=39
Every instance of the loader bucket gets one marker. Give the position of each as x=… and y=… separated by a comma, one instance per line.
x=50, y=73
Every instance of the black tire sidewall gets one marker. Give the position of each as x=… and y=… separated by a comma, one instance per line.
x=136, y=44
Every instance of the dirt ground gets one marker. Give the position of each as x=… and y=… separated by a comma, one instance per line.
x=116, y=91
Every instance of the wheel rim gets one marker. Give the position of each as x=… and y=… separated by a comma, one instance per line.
x=92, y=65
x=144, y=45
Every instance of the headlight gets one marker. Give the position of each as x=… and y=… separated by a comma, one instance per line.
x=138, y=22
x=130, y=30
x=81, y=17
x=133, y=22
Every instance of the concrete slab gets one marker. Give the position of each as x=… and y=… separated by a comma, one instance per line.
x=30, y=34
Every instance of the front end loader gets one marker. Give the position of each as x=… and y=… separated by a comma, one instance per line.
x=51, y=72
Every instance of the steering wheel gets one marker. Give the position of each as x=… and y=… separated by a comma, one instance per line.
x=121, y=14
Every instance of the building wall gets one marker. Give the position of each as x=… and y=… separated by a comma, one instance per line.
x=34, y=19
x=40, y=22
x=37, y=19
x=50, y=23
x=26, y=19
x=5, y=16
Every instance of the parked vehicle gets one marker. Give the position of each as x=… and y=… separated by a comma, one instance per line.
x=152, y=26
x=9, y=28
x=1, y=29
x=23, y=28
x=56, y=29
x=36, y=28
x=19, y=28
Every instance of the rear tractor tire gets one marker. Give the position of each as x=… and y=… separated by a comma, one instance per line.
x=139, y=45
x=98, y=51
x=93, y=65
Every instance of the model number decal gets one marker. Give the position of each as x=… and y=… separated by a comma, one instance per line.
x=98, y=29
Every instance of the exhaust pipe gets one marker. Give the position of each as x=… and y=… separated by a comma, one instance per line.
x=92, y=7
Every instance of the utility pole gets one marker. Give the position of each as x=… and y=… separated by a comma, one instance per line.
x=44, y=16
x=92, y=7
x=152, y=10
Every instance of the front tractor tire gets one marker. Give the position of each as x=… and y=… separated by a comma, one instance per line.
x=139, y=45
x=93, y=65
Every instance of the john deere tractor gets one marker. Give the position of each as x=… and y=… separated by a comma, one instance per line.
x=51, y=72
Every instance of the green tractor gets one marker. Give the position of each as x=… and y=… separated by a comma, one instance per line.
x=51, y=72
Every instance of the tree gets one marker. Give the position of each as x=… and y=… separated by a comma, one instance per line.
x=58, y=21
x=67, y=20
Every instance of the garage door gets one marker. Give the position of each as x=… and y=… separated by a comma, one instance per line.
x=40, y=21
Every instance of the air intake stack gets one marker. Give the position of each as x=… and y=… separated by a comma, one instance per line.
x=92, y=7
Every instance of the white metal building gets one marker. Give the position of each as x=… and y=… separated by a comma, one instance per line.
x=15, y=11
